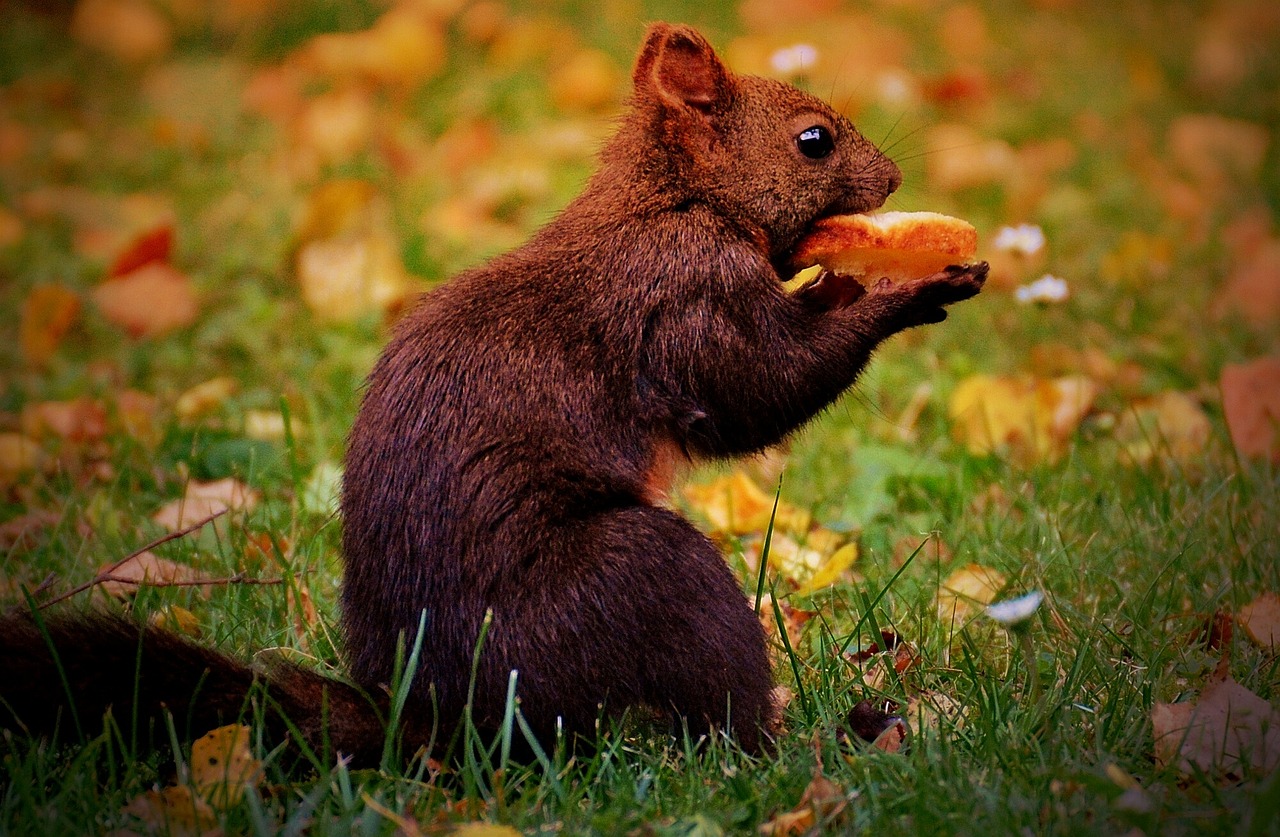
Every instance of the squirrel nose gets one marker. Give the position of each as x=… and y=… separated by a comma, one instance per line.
x=893, y=177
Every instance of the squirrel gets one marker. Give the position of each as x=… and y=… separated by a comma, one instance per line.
x=506, y=472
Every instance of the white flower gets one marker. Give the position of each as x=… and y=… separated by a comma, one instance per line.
x=1011, y=612
x=1047, y=288
x=1026, y=239
x=795, y=59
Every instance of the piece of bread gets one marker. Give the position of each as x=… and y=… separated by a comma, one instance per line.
x=899, y=245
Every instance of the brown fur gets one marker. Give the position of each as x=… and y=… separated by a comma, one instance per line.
x=520, y=425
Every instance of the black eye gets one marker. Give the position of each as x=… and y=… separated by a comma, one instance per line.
x=815, y=142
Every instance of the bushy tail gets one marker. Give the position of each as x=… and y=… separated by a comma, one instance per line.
x=65, y=672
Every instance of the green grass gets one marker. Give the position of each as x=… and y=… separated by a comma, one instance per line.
x=1133, y=558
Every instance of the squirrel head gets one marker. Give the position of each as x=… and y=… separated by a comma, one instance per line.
x=766, y=155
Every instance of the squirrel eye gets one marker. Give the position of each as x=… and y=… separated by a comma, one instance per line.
x=815, y=142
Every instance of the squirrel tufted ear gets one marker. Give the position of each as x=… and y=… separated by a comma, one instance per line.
x=678, y=64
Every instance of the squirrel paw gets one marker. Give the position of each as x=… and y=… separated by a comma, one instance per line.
x=922, y=301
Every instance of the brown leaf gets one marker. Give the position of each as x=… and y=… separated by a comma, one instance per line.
x=47, y=314
x=148, y=302
x=77, y=421
x=1227, y=732
x=222, y=765
x=204, y=397
x=1169, y=424
x=823, y=801
x=1253, y=288
x=177, y=811
x=20, y=456
x=1216, y=150
x=1251, y=404
x=128, y=30
x=203, y=499
x=176, y=619
x=143, y=569
x=1261, y=620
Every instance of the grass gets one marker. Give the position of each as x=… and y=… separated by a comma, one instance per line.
x=1133, y=558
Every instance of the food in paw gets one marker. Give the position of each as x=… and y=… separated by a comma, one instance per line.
x=899, y=245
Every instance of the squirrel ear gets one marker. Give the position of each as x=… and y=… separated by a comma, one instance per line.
x=680, y=66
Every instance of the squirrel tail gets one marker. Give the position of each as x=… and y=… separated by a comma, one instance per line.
x=61, y=674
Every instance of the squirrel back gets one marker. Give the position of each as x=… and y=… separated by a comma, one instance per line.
x=504, y=475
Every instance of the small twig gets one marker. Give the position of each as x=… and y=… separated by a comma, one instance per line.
x=105, y=575
x=238, y=578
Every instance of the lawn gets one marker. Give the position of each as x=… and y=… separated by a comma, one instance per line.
x=212, y=214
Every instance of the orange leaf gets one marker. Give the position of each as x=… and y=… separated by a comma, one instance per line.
x=47, y=314
x=972, y=586
x=78, y=420
x=146, y=568
x=176, y=811
x=203, y=499
x=222, y=765
x=148, y=302
x=155, y=245
x=1251, y=403
x=1033, y=418
x=822, y=801
x=128, y=30
x=1227, y=731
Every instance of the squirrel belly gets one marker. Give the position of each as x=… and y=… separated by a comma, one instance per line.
x=505, y=469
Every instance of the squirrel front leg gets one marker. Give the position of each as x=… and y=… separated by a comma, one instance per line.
x=742, y=378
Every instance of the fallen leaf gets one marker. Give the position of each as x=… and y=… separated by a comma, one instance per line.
x=1033, y=418
x=222, y=765
x=20, y=456
x=203, y=499
x=148, y=302
x=485, y=829
x=931, y=709
x=588, y=80
x=959, y=158
x=135, y=416
x=176, y=619
x=1216, y=150
x=344, y=279
x=132, y=31
x=154, y=245
x=966, y=591
x=1168, y=424
x=337, y=125
x=1229, y=731
x=735, y=505
x=147, y=568
x=176, y=811
x=78, y=420
x=403, y=48
x=1260, y=619
x=822, y=802
x=11, y=227
x=204, y=397
x=48, y=312
x=793, y=618
x=1253, y=288
x=831, y=570
x=1251, y=404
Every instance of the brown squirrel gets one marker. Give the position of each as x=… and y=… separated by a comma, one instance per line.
x=519, y=431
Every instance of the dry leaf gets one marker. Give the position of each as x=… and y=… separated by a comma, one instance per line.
x=403, y=48
x=735, y=505
x=484, y=829
x=822, y=802
x=1216, y=150
x=1251, y=404
x=959, y=158
x=204, y=397
x=203, y=499
x=148, y=302
x=48, y=311
x=337, y=125
x=20, y=456
x=1227, y=732
x=1033, y=418
x=831, y=570
x=154, y=245
x=222, y=765
x=1260, y=619
x=966, y=591
x=136, y=416
x=146, y=568
x=1253, y=288
x=1169, y=423
x=175, y=811
x=344, y=279
x=793, y=618
x=78, y=421
x=129, y=30
x=11, y=227
x=176, y=619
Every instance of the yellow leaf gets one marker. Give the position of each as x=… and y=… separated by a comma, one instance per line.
x=47, y=313
x=177, y=811
x=19, y=456
x=735, y=505
x=1261, y=620
x=484, y=829
x=343, y=279
x=831, y=570
x=1032, y=418
x=204, y=397
x=589, y=80
x=1168, y=424
x=971, y=587
x=177, y=619
x=222, y=765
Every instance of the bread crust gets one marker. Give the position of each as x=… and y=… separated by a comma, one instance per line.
x=893, y=244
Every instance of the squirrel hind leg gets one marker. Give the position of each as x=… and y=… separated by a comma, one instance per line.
x=653, y=617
